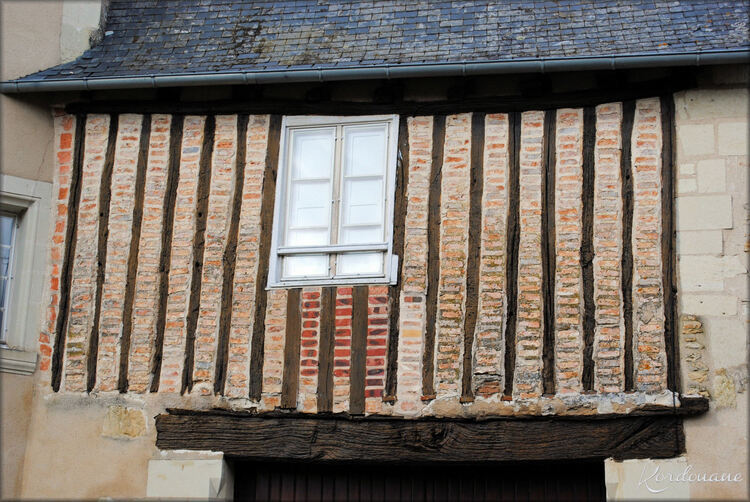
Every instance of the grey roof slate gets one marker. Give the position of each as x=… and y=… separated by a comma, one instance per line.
x=168, y=37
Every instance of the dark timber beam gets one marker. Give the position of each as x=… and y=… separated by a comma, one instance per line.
x=652, y=433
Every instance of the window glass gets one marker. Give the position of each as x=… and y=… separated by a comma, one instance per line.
x=7, y=238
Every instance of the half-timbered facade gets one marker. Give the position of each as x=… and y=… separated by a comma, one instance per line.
x=357, y=270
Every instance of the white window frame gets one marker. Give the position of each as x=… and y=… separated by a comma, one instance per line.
x=389, y=275
x=30, y=202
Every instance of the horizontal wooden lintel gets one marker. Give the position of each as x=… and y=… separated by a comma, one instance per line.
x=340, y=438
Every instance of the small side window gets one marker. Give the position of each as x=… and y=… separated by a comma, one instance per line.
x=334, y=210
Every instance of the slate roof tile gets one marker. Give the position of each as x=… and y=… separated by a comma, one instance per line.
x=158, y=37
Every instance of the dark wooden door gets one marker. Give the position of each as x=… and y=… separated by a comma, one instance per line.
x=298, y=482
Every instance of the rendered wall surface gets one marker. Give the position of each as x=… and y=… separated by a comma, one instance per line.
x=31, y=40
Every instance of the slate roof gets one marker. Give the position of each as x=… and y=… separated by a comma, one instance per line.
x=174, y=37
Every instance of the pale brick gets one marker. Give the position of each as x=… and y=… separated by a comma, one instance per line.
x=649, y=355
x=609, y=317
x=119, y=235
x=700, y=242
x=83, y=280
x=706, y=212
x=181, y=266
x=377, y=348
x=712, y=176
x=64, y=139
x=696, y=139
x=414, y=270
x=218, y=220
x=454, y=237
x=146, y=291
x=529, y=326
x=733, y=138
x=246, y=260
x=488, y=359
x=568, y=291
x=342, y=345
x=273, y=348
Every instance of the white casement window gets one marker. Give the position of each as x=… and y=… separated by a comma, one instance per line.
x=334, y=201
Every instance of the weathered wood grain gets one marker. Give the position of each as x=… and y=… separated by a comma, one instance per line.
x=650, y=434
x=290, y=380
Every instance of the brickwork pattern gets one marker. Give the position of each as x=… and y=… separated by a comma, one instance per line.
x=610, y=324
x=65, y=131
x=454, y=237
x=488, y=356
x=568, y=235
x=119, y=235
x=377, y=347
x=307, y=398
x=488, y=339
x=414, y=269
x=146, y=291
x=273, y=348
x=83, y=281
x=218, y=219
x=527, y=379
x=180, y=271
x=246, y=261
x=649, y=355
x=342, y=353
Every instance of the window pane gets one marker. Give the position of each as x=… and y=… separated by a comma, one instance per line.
x=363, y=202
x=305, y=266
x=362, y=235
x=310, y=204
x=312, y=153
x=7, y=224
x=308, y=237
x=3, y=291
x=360, y=263
x=364, y=151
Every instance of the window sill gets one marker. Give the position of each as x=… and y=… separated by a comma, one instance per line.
x=343, y=282
x=19, y=362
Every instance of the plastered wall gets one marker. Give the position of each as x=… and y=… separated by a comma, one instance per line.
x=32, y=38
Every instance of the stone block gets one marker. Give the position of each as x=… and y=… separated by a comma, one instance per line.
x=733, y=138
x=711, y=104
x=709, y=305
x=707, y=273
x=712, y=176
x=696, y=139
x=699, y=242
x=687, y=169
x=639, y=479
x=708, y=212
x=686, y=185
x=124, y=423
x=190, y=479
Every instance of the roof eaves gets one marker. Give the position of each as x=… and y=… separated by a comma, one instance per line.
x=508, y=66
